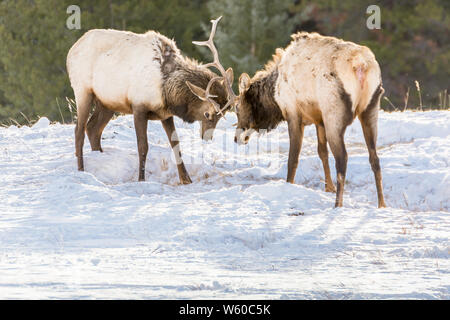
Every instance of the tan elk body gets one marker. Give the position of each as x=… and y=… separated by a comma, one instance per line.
x=316, y=80
x=144, y=75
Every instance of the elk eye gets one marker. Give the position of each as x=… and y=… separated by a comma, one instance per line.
x=206, y=114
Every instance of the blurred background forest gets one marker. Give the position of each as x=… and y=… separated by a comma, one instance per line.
x=413, y=43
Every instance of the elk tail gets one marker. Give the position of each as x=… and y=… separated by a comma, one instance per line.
x=360, y=68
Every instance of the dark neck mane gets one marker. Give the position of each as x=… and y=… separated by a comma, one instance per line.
x=260, y=95
x=178, y=98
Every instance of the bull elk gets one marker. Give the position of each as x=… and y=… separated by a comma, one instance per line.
x=316, y=80
x=144, y=75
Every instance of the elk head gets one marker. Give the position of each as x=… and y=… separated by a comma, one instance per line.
x=245, y=123
x=225, y=80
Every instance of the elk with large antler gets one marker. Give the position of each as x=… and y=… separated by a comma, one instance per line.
x=316, y=80
x=144, y=75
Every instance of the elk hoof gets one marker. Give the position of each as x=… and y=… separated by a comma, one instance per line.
x=382, y=205
x=330, y=188
x=186, y=180
x=97, y=149
x=338, y=204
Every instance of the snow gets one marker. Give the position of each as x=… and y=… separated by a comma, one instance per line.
x=239, y=231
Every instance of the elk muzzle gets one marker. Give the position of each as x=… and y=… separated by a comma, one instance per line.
x=242, y=136
x=207, y=129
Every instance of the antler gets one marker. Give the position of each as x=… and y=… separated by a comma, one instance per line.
x=216, y=63
x=208, y=96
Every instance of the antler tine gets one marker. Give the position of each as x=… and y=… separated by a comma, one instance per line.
x=210, y=43
x=226, y=106
x=216, y=63
x=208, y=96
x=210, y=83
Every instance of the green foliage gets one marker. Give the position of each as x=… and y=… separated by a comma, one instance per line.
x=32, y=57
x=413, y=43
x=34, y=42
x=250, y=31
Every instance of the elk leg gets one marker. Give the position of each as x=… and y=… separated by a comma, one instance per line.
x=169, y=127
x=97, y=124
x=323, y=155
x=368, y=121
x=140, y=125
x=83, y=102
x=295, y=127
x=336, y=141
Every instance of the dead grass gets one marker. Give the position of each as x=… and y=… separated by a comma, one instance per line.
x=444, y=100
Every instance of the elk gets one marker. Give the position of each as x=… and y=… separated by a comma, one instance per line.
x=317, y=80
x=144, y=75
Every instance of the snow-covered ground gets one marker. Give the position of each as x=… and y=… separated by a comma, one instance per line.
x=239, y=231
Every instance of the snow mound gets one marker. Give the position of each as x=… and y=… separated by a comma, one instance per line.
x=42, y=123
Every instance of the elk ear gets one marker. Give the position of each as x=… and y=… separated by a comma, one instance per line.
x=230, y=75
x=244, y=82
x=199, y=92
